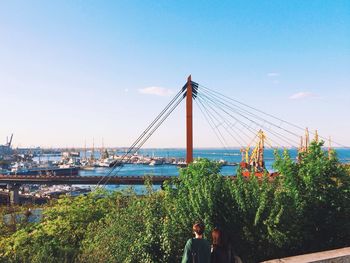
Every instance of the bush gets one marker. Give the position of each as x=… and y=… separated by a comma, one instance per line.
x=57, y=238
x=305, y=209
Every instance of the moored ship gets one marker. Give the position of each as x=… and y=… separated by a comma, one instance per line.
x=47, y=171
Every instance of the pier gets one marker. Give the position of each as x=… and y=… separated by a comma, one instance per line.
x=14, y=182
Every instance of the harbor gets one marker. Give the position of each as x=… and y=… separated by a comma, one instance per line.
x=174, y=131
x=77, y=163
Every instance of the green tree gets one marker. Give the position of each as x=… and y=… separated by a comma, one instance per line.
x=130, y=233
x=305, y=208
x=312, y=202
x=200, y=193
x=57, y=238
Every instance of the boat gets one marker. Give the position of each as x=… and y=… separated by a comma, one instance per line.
x=181, y=164
x=105, y=162
x=4, y=171
x=154, y=162
x=88, y=168
x=46, y=171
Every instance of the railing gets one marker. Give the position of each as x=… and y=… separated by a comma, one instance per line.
x=341, y=255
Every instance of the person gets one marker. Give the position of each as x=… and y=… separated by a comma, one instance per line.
x=221, y=250
x=197, y=249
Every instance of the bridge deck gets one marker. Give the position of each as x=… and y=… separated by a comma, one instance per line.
x=127, y=180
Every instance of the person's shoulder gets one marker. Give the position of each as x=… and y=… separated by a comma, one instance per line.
x=238, y=259
x=206, y=242
x=189, y=241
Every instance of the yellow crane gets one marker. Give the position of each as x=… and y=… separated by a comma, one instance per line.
x=256, y=158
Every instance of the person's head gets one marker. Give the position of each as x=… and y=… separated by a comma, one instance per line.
x=198, y=229
x=217, y=237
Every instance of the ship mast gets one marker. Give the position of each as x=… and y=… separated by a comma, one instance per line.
x=92, y=157
x=85, y=157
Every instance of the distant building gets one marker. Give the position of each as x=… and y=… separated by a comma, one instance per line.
x=35, y=151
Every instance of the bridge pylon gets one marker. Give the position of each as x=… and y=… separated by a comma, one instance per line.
x=189, y=122
x=191, y=94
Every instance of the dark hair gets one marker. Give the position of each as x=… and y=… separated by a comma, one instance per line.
x=198, y=228
x=218, y=237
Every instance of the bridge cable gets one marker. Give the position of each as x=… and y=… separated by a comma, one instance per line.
x=242, y=123
x=156, y=127
x=212, y=108
x=225, y=121
x=258, y=117
x=270, y=115
x=144, y=133
x=140, y=143
x=216, y=104
x=215, y=101
x=211, y=123
x=249, y=128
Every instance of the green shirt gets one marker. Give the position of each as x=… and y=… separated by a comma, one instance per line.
x=196, y=251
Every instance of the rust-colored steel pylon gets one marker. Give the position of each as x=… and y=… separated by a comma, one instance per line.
x=189, y=122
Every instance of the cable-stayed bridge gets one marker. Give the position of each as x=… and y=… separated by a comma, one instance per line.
x=233, y=123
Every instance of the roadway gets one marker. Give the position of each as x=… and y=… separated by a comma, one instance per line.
x=88, y=180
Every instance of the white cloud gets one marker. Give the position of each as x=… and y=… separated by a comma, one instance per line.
x=158, y=91
x=303, y=95
x=273, y=74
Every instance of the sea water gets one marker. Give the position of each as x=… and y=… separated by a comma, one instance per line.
x=232, y=155
x=216, y=154
x=229, y=155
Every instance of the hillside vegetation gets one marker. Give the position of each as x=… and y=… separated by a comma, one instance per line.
x=305, y=209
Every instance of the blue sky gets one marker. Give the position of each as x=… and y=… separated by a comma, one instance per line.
x=72, y=71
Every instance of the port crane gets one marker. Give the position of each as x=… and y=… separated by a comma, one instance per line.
x=254, y=162
x=9, y=142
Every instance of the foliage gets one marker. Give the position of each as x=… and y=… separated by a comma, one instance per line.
x=318, y=191
x=129, y=233
x=200, y=194
x=58, y=236
x=304, y=209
